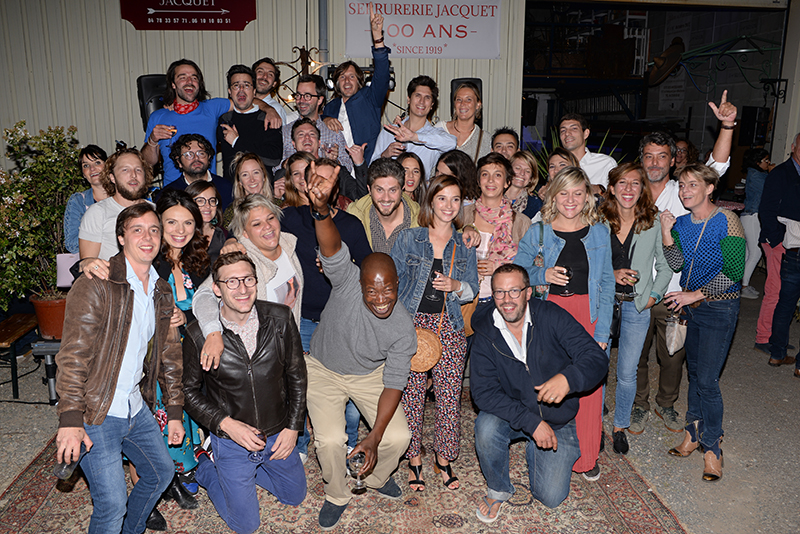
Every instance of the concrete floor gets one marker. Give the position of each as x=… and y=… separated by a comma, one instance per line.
x=758, y=493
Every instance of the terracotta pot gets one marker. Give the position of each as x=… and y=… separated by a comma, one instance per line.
x=50, y=314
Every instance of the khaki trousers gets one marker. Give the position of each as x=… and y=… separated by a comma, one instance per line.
x=327, y=396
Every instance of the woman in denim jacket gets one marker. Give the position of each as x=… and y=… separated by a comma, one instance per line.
x=571, y=236
x=433, y=294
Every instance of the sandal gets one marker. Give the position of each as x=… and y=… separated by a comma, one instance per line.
x=448, y=470
x=416, y=470
x=486, y=518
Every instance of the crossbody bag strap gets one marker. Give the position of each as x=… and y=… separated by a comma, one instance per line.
x=478, y=150
x=689, y=276
x=444, y=305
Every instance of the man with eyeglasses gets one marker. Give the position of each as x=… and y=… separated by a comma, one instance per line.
x=309, y=99
x=242, y=128
x=254, y=403
x=528, y=359
x=192, y=156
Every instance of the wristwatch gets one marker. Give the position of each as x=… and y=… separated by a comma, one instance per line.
x=317, y=216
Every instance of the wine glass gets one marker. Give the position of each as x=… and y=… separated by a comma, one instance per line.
x=356, y=463
x=433, y=297
x=635, y=276
x=257, y=456
x=566, y=292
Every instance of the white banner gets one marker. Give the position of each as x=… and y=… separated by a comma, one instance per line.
x=451, y=30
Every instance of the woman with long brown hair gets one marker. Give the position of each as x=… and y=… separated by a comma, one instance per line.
x=632, y=217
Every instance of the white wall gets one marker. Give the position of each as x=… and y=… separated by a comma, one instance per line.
x=75, y=62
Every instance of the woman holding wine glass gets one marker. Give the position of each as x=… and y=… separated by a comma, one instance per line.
x=632, y=217
x=437, y=273
x=576, y=264
x=707, y=246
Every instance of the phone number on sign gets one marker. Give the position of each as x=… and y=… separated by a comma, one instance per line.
x=419, y=50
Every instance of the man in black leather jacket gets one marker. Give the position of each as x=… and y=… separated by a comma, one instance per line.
x=254, y=402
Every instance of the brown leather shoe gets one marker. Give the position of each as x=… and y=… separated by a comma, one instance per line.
x=686, y=448
x=788, y=360
x=712, y=470
x=797, y=373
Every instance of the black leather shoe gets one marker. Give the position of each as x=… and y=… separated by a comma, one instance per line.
x=156, y=521
x=180, y=495
x=620, y=442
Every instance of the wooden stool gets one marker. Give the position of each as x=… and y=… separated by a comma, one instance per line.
x=11, y=330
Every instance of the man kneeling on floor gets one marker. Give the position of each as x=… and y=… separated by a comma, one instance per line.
x=362, y=351
x=528, y=359
x=254, y=402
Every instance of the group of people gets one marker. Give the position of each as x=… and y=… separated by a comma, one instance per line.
x=281, y=300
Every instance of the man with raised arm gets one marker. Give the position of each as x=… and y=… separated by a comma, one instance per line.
x=361, y=351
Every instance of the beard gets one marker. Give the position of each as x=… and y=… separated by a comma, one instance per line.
x=193, y=175
x=133, y=194
x=657, y=174
x=392, y=209
x=514, y=316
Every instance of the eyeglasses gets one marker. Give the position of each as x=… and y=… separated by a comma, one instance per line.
x=192, y=155
x=200, y=201
x=499, y=294
x=233, y=283
x=681, y=150
x=241, y=85
x=304, y=96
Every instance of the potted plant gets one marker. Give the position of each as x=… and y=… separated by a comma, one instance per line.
x=33, y=197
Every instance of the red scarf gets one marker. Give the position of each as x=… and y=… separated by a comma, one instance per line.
x=183, y=109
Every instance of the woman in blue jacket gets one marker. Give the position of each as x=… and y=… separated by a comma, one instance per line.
x=92, y=159
x=576, y=254
x=437, y=273
x=632, y=217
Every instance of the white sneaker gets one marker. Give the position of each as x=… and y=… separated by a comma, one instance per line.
x=749, y=292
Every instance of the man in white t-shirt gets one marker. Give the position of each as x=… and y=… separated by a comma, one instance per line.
x=573, y=131
x=657, y=154
x=126, y=177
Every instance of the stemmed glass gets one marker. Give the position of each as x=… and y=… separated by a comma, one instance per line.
x=566, y=292
x=635, y=277
x=257, y=456
x=356, y=463
x=434, y=297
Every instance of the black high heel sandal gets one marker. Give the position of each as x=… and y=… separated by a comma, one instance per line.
x=417, y=471
x=448, y=470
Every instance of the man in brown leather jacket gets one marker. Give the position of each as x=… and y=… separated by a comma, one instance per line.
x=254, y=403
x=117, y=343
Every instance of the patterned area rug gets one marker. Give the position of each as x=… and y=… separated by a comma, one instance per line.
x=620, y=502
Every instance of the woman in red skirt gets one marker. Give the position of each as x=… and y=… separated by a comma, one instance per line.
x=576, y=265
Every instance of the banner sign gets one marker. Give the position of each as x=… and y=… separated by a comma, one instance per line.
x=452, y=30
x=215, y=15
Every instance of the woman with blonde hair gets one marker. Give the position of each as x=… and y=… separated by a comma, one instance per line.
x=250, y=177
x=467, y=108
x=576, y=265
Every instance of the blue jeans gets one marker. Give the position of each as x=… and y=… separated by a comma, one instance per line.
x=709, y=331
x=632, y=332
x=787, y=304
x=351, y=414
x=138, y=438
x=231, y=479
x=549, y=471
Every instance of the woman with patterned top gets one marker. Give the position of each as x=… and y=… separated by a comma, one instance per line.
x=436, y=274
x=525, y=184
x=707, y=246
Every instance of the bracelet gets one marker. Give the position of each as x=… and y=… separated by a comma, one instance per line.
x=729, y=127
x=151, y=144
x=378, y=41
